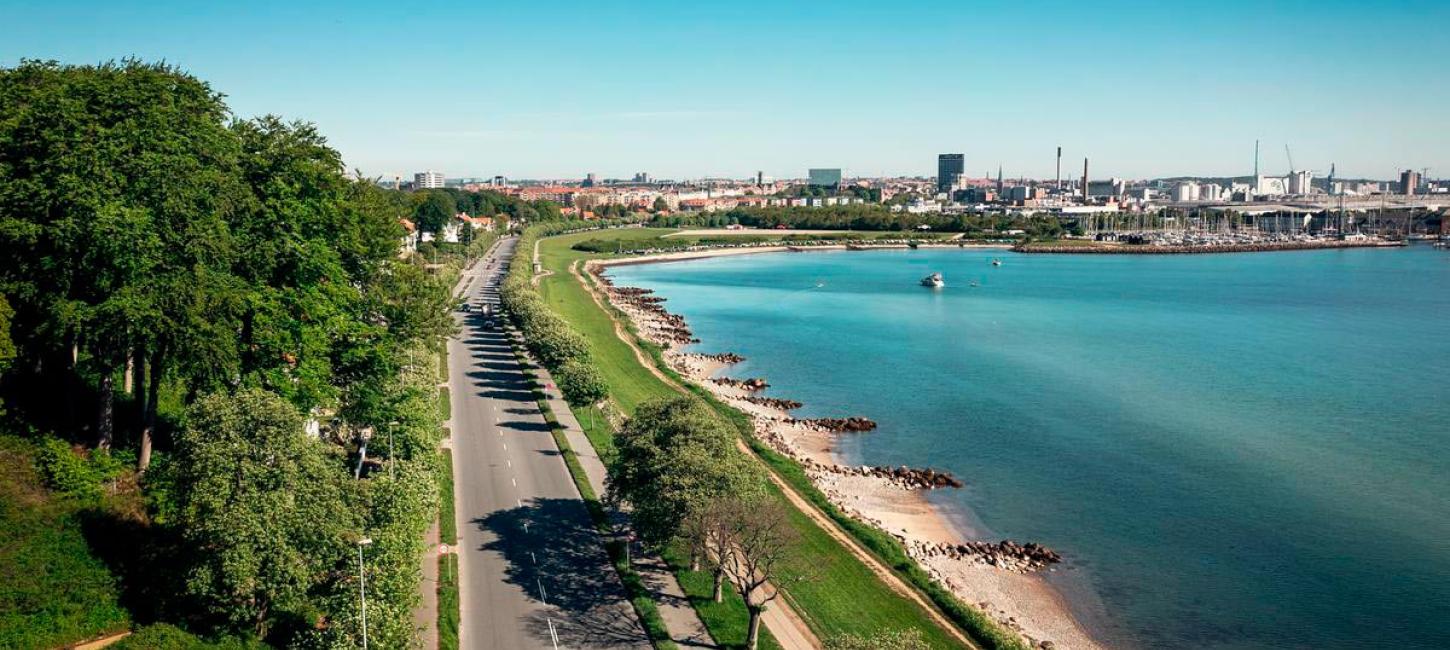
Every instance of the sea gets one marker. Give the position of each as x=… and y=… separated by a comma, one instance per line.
x=1244, y=450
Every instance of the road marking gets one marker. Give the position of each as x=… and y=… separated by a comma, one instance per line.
x=543, y=593
x=514, y=481
x=511, y=463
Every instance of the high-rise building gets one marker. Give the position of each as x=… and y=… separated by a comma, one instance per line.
x=760, y=179
x=429, y=180
x=829, y=177
x=590, y=180
x=949, y=170
x=1409, y=181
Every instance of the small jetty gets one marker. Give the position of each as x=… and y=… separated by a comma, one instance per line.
x=935, y=281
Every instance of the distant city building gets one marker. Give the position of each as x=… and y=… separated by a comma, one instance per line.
x=1112, y=188
x=1187, y=191
x=1409, y=181
x=760, y=178
x=1021, y=193
x=949, y=170
x=590, y=180
x=429, y=180
x=1301, y=182
x=825, y=177
x=1270, y=186
x=1210, y=192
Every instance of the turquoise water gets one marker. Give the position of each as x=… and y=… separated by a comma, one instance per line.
x=1233, y=451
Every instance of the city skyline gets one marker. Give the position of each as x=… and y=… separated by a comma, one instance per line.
x=689, y=92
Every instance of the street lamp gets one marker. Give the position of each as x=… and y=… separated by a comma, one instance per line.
x=362, y=586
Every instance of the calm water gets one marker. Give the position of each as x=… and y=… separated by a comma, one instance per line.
x=1235, y=451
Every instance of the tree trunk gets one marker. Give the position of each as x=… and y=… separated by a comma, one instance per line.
x=694, y=557
x=719, y=584
x=752, y=641
x=148, y=416
x=126, y=377
x=105, y=422
x=138, y=379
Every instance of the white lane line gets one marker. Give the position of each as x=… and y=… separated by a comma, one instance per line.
x=511, y=463
x=514, y=481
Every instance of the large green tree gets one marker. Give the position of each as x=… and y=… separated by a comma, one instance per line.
x=262, y=507
x=114, y=181
x=675, y=457
x=434, y=211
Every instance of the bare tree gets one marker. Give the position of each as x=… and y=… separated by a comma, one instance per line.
x=759, y=535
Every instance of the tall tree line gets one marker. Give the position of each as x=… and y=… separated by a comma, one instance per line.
x=230, y=269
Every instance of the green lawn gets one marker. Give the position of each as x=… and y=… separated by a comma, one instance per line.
x=837, y=593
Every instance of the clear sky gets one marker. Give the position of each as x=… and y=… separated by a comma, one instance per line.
x=687, y=89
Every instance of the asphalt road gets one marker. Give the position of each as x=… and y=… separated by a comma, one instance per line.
x=532, y=569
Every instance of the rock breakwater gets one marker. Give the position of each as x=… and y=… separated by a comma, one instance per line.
x=838, y=425
x=1005, y=554
x=752, y=384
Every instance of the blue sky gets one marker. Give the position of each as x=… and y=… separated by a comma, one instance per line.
x=685, y=89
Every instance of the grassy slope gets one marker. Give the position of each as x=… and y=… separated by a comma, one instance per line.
x=832, y=601
x=53, y=590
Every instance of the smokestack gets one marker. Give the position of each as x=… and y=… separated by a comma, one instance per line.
x=1084, y=180
x=1256, y=164
x=1059, y=169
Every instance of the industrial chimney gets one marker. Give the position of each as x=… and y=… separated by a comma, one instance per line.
x=1084, y=180
x=1059, y=170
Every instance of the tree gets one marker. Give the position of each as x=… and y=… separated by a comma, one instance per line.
x=759, y=537
x=660, y=204
x=581, y=383
x=435, y=211
x=674, y=458
x=116, y=177
x=261, y=506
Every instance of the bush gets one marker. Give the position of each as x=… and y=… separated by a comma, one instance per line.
x=169, y=637
x=66, y=471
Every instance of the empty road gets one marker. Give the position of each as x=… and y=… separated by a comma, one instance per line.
x=532, y=569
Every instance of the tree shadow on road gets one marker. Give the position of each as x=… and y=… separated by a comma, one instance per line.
x=557, y=557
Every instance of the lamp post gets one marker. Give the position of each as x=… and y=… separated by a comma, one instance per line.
x=362, y=586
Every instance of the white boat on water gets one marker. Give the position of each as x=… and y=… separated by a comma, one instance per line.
x=996, y=262
x=934, y=281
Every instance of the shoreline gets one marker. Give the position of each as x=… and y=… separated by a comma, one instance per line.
x=1114, y=248
x=1007, y=585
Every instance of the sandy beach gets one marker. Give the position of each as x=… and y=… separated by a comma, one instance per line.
x=1005, y=582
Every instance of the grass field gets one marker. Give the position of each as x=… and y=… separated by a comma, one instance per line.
x=837, y=593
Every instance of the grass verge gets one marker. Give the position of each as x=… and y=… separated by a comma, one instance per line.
x=447, y=520
x=448, y=613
